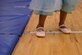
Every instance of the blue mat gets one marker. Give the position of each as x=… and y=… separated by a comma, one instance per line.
x=14, y=16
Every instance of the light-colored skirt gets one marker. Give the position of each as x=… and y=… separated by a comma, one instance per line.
x=46, y=5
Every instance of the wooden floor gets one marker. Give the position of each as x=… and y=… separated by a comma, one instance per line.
x=52, y=44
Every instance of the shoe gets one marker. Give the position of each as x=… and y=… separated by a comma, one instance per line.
x=40, y=32
x=64, y=29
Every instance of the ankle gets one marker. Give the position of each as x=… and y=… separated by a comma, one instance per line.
x=39, y=26
x=61, y=24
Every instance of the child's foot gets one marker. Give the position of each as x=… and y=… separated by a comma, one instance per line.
x=40, y=32
x=64, y=29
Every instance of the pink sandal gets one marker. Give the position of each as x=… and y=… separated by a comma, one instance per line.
x=40, y=32
x=64, y=29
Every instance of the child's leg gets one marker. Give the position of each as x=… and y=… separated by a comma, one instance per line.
x=42, y=17
x=40, y=27
x=62, y=17
x=41, y=22
x=62, y=27
x=67, y=7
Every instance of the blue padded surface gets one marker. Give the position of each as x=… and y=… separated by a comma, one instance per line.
x=14, y=7
x=7, y=44
x=14, y=16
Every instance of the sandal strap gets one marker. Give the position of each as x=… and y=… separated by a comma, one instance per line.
x=61, y=26
x=40, y=28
